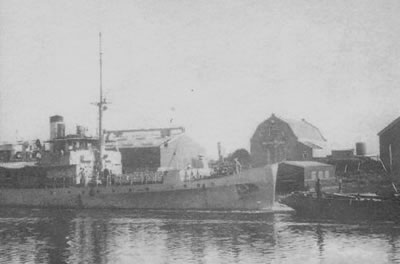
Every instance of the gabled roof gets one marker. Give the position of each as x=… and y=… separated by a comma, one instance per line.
x=311, y=145
x=304, y=131
x=307, y=164
x=394, y=122
x=143, y=138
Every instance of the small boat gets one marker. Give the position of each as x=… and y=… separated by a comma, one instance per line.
x=364, y=207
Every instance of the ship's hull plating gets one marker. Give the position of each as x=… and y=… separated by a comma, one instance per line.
x=252, y=190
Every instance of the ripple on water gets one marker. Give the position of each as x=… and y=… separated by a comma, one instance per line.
x=126, y=236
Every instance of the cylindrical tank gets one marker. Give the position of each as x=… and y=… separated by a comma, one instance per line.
x=361, y=149
x=55, y=121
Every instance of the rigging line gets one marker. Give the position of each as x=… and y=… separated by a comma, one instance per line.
x=173, y=154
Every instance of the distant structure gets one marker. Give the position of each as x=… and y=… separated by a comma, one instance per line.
x=155, y=149
x=348, y=154
x=342, y=154
x=20, y=151
x=389, y=146
x=361, y=149
x=277, y=139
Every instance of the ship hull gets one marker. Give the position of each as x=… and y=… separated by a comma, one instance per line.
x=250, y=190
x=344, y=208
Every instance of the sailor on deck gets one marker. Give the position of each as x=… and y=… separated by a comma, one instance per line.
x=82, y=179
x=106, y=175
x=318, y=188
x=238, y=166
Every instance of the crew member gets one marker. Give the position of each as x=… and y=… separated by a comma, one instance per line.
x=106, y=175
x=82, y=177
x=238, y=166
x=318, y=188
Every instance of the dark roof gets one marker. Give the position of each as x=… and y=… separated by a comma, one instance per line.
x=56, y=118
x=394, y=122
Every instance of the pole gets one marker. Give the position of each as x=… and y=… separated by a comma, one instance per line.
x=390, y=159
x=101, y=106
x=219, y=152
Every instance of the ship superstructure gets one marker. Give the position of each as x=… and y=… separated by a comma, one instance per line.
x=75, y=156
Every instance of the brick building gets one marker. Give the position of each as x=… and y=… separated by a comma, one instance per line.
x=389, y=146
x=277, y=139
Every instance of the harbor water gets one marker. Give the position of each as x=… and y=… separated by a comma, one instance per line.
x=127, y=236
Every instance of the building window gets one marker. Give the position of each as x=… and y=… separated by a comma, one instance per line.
x=327, y=174
x=320, y=174
x=274, y=131
x=314, y=175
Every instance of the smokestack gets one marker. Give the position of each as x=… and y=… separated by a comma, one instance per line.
x=57, y=127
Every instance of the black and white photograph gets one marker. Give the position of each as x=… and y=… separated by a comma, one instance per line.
x=199, y=132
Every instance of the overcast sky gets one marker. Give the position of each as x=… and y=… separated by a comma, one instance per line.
x=218, y=68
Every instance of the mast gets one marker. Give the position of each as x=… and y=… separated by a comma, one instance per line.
x=102, y=102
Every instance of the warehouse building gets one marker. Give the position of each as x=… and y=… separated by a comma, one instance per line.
x=155, y=149
x=277, y=139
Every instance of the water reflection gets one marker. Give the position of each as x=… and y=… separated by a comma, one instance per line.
x=34, y=236
x=52, y=236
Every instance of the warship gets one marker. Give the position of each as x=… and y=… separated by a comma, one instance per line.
x=78, y=171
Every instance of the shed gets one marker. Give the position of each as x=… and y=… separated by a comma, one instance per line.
x=302, y=175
